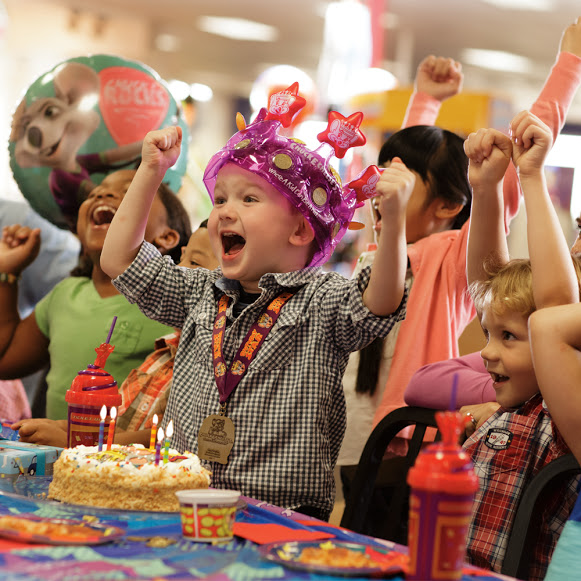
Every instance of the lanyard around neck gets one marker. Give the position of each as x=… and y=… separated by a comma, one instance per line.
x=228, y=379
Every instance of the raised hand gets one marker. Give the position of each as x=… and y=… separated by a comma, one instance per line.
x=394, y=189
x=161, y=148
x=489, y=152
x=571, y=39
x=19, y=246
x=532, y=140
x=439, y=77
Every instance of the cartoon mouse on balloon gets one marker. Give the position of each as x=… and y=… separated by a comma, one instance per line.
x=50, y=131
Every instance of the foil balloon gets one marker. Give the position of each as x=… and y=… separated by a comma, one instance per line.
x=305, y=177
x=79, y=122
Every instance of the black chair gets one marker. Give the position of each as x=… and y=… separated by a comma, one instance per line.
x=377, y=497
x=523, y=534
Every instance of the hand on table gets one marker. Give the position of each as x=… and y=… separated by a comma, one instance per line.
x=42, y=431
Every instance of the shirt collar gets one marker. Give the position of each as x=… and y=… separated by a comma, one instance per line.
x=275, y=280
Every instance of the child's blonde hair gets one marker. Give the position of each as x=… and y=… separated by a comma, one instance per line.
x=509, y=286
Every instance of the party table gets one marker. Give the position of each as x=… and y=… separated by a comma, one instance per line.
x=134, y=554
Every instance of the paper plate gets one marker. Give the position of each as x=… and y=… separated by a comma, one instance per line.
x=29, y=528
x=342, y=558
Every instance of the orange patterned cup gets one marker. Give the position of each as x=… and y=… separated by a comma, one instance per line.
x=207, y=515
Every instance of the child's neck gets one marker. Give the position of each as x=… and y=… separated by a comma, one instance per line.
x=102, y=281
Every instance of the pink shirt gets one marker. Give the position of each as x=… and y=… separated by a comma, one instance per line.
x=430, y=385
x=439, y=307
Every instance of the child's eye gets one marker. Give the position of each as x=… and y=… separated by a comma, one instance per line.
x=218, y=201
x=249, y=199
x=507, y=336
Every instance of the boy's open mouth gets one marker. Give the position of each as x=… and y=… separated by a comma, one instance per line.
x=497, y=378
x=232, y=243
x=103, y=214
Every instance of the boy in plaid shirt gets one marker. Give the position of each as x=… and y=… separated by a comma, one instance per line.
x=519, y=439
x=268, y=414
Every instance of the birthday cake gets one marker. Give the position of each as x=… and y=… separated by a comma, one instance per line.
x=125, y=477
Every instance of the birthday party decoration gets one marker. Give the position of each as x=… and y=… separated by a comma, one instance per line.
x=305, y=177
x=82, y=120
x=342, y=133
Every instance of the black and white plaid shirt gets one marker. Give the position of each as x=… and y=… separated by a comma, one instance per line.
x=289, y=410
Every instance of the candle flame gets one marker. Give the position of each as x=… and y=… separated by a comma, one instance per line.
x=160, y=435
x=169, y=429
x=113, y=412
x=103, y=412
x=155, y=420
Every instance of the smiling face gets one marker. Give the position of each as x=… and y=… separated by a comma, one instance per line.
x=251, y=228
x=507, y=356
x=97, y=211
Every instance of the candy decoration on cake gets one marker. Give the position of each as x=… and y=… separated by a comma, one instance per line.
x=90, y=390
x=305, y=177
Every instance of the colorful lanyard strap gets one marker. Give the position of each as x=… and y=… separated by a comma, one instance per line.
x=228, y=379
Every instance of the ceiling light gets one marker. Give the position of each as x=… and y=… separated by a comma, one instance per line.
x=167, y=43
x=497, y=60
x=200, y=92
x=179, y=89
x=238, y=28
x=538, y=5
x=372, y=80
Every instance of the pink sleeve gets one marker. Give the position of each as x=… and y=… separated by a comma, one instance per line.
x=431, y=385
x=422, y=109
x=551, y=106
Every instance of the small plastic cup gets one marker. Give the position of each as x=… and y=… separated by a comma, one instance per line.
x=207, y=515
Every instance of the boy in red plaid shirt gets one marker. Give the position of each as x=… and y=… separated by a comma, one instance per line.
x=512, y=446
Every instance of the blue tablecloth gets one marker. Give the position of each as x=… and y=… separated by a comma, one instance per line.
x=134, y=559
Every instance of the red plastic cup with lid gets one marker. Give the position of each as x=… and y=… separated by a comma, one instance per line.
x=90, y=390
x=443, y=484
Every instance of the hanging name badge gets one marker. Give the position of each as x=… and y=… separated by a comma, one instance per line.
x=216, y=438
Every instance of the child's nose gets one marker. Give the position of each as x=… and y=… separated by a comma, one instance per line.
x=489, y=353
x=225, y=211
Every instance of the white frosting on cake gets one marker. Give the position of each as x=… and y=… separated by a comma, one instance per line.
x=125, y=477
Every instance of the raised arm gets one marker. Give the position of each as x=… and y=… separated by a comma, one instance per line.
x=437, y=79
x=555, y=335
x=385, y=290
x=23, y=348
x=489, y=153
x=430, y=385
x=553, y=274
x=160, y=151
x=551, y=106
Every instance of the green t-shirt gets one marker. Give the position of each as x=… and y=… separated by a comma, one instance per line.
x=76, y=320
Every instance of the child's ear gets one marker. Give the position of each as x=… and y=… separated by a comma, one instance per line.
x=447, y=210
x=303, y=234
x=166, y=241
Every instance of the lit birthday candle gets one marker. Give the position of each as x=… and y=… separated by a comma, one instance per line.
x=113, y=414
x=168, y=435
x=158, y=446
x=153, y=433
x=102, y=426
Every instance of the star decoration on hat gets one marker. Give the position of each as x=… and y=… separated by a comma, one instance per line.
x=284, y=105
x=342, y=132
x=365, y=185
